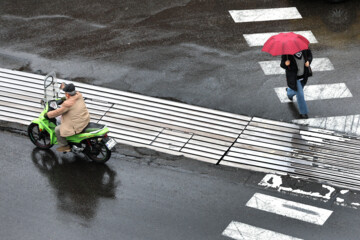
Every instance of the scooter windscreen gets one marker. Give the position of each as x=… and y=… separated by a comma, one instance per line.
x=51, y=87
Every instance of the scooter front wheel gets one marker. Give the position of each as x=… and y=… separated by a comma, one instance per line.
x=41, y=139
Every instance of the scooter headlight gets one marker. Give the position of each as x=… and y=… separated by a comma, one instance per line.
x=53, y=105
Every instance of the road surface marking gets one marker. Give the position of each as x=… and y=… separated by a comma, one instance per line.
x=270, y=14
x=289, y=209
x=259, y=39
x=276, y=182
x=349, y=124
x=318, y=92
x=317, y=65
x=242, y=231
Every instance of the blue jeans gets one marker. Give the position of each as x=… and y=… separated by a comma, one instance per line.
x=299, y=97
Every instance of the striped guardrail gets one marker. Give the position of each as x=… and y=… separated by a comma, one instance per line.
x=199, y=133
x=285, y=148
x=134, y=119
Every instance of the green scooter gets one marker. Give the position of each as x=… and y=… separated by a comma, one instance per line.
x=92, y=141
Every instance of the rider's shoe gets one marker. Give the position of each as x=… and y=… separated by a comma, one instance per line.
x=64, y=149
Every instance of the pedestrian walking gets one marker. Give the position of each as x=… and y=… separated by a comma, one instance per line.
x=298, y=70
x=296, y=58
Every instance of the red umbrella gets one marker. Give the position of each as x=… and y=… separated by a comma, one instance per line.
x=285, y=44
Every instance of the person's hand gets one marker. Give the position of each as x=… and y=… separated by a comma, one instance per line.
x=287, y=62
x=62, y=86
x=307, y=64
x=46, y=116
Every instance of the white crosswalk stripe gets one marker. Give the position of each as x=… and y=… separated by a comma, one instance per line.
x=317, y=65
x=318, y=92
x=270, y=14
x=349, y=124
x=242, y=231
x=259, y=39
x=289, y=209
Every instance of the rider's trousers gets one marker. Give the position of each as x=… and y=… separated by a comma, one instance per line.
x=61, y=140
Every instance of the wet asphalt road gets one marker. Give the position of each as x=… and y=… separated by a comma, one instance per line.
x=188, y=51
x=184, y=50
x=138, y=194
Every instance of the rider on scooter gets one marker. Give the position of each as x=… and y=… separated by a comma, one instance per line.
x=74, y=116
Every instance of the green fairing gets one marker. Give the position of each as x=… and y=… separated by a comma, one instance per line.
x=50, y=128
x=80, y=137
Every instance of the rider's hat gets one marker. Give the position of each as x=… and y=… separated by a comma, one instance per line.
x=69, y=88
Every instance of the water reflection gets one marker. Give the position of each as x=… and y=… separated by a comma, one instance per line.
x=130, y=24
x=78, y=184
x=337, y=17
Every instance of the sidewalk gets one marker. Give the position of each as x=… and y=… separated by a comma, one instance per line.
x=203, y=134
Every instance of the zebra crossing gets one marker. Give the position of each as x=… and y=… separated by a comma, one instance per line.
x=312, y=92
x=273, y=205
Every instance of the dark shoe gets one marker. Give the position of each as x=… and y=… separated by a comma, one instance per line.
x=304, y=116
x=290, y=98
x=64, y=149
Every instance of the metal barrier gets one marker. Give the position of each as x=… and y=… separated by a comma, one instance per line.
x=204, y=134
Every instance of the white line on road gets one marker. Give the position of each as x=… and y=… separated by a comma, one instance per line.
x=349, y=124
x=259, y=39
x=317, y=65
x=318, y=92
x=242, y=231
x=270, y=14
x=290, y=209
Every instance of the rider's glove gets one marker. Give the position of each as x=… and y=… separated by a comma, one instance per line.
x=46, y=116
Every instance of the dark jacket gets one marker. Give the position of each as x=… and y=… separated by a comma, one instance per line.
x=292, y=69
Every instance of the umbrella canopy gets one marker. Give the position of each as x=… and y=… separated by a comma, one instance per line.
x=285, y=44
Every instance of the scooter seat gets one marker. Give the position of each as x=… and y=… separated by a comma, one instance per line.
x=92, y=127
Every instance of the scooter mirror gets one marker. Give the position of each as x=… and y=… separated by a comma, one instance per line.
x=48, y=81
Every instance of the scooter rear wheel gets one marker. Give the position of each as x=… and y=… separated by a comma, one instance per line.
x=97, y=151
x=41, y=139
